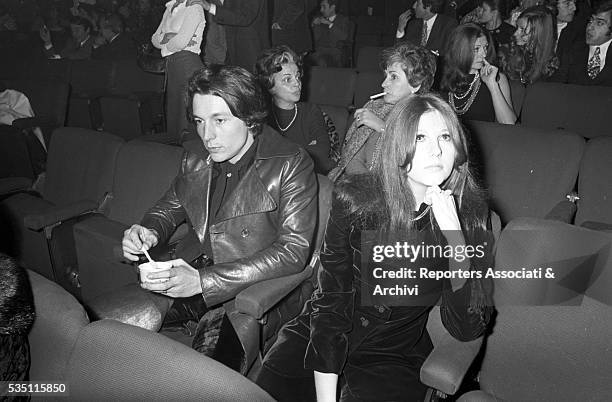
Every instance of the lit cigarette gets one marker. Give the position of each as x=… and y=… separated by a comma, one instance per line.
x=378, y=95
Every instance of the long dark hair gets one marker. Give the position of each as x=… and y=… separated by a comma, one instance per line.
x=399, y=145
x=459, y=56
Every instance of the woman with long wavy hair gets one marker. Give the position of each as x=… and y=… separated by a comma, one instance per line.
x=531, y=56
x=422, y=192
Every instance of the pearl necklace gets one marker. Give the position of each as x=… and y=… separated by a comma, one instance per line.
x=422, y=214
x=476, y=77
x=466, y=106
x=295, y=108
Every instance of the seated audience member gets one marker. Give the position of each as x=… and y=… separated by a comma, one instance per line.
x=409, y=69
x=290, y=25
x=377, y=345
x=522, y=6
x=16, y=318
x=250, y=202
x=491, y=15
x=78, y=47
x=467, y=65
x=589, y=63
x=570, y=34
x=531, y=56
x=430, y=29
x=116, y=44
x=279, y=71
x=329, y=30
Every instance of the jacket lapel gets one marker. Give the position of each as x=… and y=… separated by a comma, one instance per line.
x=197, y=199
x=249, y=197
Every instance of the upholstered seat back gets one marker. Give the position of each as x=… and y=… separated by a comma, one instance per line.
x=143, y=173
x=582, y=109
x=80, y=165
x=59, y=320
x=549, y=341
x=330, y=86
x=527, y=171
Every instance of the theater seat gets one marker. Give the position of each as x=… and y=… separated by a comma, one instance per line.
x=551, y=339
x=80, y=168
x=369, y=58
x=368, y=83
x=89, y=79
x=142, y=174
x=108, y=360
x=595, y=184
x=330, y=86
x=527, y=171
x=581, y=109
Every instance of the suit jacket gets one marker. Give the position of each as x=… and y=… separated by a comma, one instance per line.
x=73, y=50
x=265, y=229
x=122, y=47
x=577, y=71
x=246, y=30
x=572, y=36
x=438, y=37
x=291, y=15
x=329, y=37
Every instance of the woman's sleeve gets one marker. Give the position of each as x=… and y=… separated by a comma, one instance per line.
x=319, y=140
x=467, y=311
x=194, y=15
x=333, y=301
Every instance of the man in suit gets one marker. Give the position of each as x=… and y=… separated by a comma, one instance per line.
x=430, y=28
x=589, y=64
x=290, y=25
x=330, y=29
x=246, y=29
x=115, y=44
x=570, y=33
x=80, y=45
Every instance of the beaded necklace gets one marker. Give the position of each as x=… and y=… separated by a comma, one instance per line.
x=295, y=108
x=472, y=91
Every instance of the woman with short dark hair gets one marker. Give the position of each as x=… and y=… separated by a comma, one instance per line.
x=408, y=69
x=279, y=70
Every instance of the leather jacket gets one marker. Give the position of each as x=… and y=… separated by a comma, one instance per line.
x=264, y=230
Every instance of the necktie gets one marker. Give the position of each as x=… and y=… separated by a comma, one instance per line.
x=424, y=34
x=594, y=64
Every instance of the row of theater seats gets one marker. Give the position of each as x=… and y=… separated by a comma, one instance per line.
x=528, y=173
x=114, y=96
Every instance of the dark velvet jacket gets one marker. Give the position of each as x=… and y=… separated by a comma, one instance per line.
x=340, y=326
x=265, y=229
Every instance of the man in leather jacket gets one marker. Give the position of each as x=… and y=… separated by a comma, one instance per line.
x=250, y=199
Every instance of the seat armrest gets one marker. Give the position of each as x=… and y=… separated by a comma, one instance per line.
x=447, y=364
x=9, y=185
x=477, y=396
x=38, y=121
x=564, y=211
x=58, y=214
x=257, y=299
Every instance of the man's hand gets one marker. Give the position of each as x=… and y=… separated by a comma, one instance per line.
x=276, y=26
x=403, y=19
x=182, y=280
x=45, y=35
x=135, y=239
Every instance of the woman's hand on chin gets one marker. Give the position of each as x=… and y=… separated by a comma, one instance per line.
x=444, y=209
